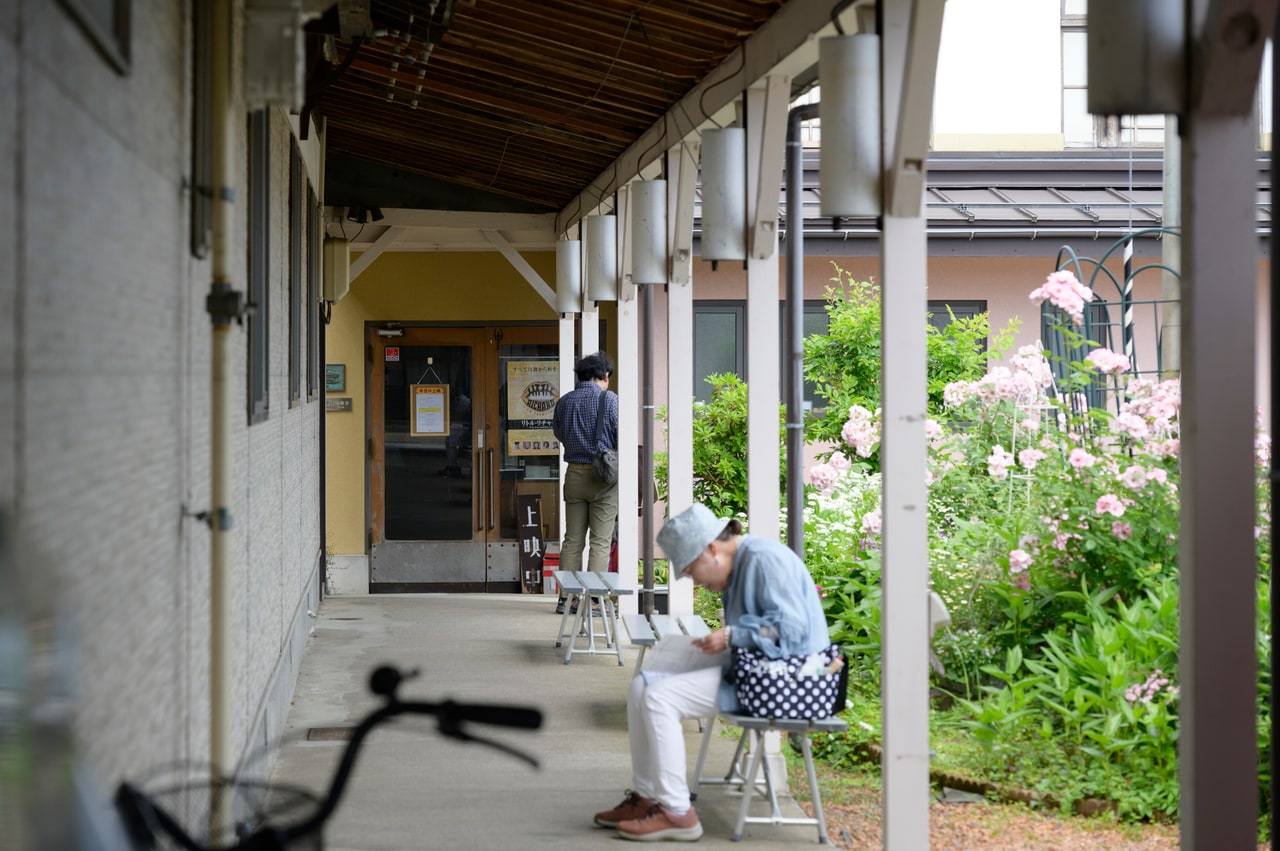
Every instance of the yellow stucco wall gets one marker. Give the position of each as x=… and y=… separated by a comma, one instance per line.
x=411, y=288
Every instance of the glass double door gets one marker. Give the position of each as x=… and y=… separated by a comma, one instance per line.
x=460, y=431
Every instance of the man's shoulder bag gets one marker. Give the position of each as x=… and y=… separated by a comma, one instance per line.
x=605, y=462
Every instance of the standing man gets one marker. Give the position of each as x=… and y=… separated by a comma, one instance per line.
x=588, y=502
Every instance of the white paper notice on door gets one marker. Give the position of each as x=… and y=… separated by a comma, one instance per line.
x=430, y=409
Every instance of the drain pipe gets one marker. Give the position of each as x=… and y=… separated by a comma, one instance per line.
x=224, y=304
x=647, y=409
x=794, y=379
x=1274, y=484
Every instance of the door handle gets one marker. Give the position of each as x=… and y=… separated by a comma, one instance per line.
x=480, y=489
x=492, y=521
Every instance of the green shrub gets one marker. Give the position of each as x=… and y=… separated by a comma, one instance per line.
x=720, y=449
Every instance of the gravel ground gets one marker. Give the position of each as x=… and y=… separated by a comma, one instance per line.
x=854, y=822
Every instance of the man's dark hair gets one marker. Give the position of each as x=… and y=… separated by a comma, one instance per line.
x=594, y=367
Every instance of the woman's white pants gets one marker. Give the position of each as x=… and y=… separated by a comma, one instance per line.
x=655, y=712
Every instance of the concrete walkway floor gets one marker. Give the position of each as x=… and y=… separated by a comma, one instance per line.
x=413, y=789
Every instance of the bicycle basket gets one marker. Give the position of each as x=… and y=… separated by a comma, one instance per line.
x=253, y=805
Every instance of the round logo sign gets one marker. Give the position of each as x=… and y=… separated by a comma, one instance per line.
x=540, y=396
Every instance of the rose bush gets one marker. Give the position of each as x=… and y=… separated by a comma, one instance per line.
x=1054, y=542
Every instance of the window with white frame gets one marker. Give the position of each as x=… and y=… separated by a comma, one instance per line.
x=811, y=130
x=1079, y=127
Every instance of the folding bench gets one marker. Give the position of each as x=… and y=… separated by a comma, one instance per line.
x=585, y=589
x=751, y=744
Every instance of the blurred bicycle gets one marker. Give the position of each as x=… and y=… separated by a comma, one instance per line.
x=287, y=817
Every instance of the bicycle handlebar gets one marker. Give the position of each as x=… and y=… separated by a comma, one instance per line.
x=142, y=815
x=482, y=713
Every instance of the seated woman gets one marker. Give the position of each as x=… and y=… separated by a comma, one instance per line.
x=770, y=603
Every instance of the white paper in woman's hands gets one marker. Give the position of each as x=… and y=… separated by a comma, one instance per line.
x=677, y=653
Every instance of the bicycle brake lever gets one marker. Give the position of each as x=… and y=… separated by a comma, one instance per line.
x=456, y=732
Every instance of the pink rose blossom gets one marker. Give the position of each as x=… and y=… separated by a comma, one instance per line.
x=1030, y=457
x=1065, y=292
x=861, y=432
x=1109, y=503
x=1134, y=478
x=1019, y=560
x=823, y=477
x=1079, y=459
x=998, y=463
x=1107, y=362
x=872, y=522
x=1122, y=530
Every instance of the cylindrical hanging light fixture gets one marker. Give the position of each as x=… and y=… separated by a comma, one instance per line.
x=602, y=258
x=849, y=73
x=649, y=261
x=724, y=194
x=568, y=275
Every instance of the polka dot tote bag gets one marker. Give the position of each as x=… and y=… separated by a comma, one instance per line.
x=806, y=687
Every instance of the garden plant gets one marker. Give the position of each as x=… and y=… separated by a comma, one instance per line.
x=1053, y=542
x=1053, y=535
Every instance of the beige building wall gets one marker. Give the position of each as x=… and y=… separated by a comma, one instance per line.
x=1003, y=282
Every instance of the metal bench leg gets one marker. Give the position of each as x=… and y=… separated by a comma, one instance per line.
x=573, y=639
x=749, y=784
x=590, y=628
x=707, y=727
x=564, y=618
x=611, y=613
x=815, y=795
x=640, y=659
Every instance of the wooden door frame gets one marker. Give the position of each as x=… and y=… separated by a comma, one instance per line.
x=486, y=344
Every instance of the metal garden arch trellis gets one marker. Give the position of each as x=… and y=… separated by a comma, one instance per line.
x=1105, y=321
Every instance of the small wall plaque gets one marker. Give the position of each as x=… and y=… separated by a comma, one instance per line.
x=335, y=377
x=342, y=403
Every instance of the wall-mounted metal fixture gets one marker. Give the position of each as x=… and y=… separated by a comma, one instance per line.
x=649, y=258
x=602, y=258
x=849, y=72
x=724, y=194
x=568, y=275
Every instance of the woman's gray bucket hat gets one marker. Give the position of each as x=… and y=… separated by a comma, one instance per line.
x=687, y=534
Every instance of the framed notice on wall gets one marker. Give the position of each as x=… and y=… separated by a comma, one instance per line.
x=430, y=406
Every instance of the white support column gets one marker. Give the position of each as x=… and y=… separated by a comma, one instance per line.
x=590, y=327
x=590, y=310
x=766, y=125
x=1218, y=658
x=682, y=176
x=905, y=573
x=766, y=113
x=627, y=371
x=588, y=333
x=567, y=382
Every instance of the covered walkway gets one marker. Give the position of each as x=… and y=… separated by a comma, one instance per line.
x=413, y=789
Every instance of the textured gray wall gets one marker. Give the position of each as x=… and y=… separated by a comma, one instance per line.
x=105, y=349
